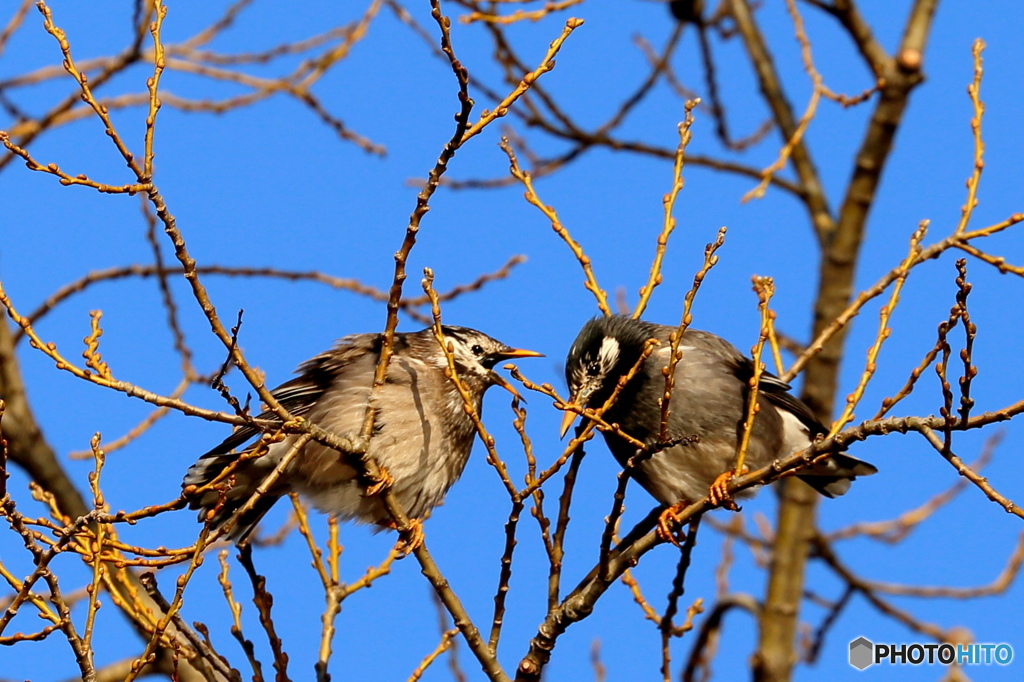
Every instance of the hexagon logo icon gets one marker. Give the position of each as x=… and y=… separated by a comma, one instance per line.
x=861, y=653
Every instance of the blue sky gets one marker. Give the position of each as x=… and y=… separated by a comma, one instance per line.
x=270, y=186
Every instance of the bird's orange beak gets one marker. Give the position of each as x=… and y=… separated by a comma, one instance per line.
x=518, y=353
x=568, y=418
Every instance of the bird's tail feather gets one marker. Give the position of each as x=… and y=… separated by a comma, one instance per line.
x=224, y=501
x=246, y=523
x=832, y=477
x=206, y=469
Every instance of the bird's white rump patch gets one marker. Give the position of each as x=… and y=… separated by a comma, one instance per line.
x=796, y=435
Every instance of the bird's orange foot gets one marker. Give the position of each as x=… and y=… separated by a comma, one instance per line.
x=414, y=540
x=669, y=529
x=719, y=492
x=386, y=481
x=415, y=536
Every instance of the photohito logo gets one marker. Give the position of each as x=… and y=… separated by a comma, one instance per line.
x=864, y=653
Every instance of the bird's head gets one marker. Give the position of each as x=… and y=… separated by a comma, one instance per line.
x=605, y=350
x=476, y=354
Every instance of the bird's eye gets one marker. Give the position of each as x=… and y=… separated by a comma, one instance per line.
x=477, y=349
x=593, y=369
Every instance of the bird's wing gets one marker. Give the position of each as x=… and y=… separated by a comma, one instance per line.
x=777, y=392
x=774, y=389
x=300, y=394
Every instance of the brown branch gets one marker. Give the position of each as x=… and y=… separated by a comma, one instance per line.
x=765, y=289
x=841, y=243
x=835, y=326
x=264, y=603
x=180, y=345
x=849, y=16
x=660, y=66
x=556, y=225
x=824, y=551
x=42, y=558
x=710, y=260
x=27, y=447
x=557, y=551
x=548, y=63
x=443, y=646
x=17, y=19
x=505, y=575
x=408, y=304
x=707, y=634
x=942, y=446
x=236, y=614
x=999, y=585
x=111, y=68
x=580, y=602
x=896, y=530
x=771, y=89
x=667, y=627
x=883, y=329
x=208, y=655
x=669, y=202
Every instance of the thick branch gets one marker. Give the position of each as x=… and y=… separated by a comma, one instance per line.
x=27, y=447
x=771, y=89
x=776, y=654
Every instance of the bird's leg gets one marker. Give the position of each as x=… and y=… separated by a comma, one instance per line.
x=668, y=519
x=415, y=532
x=719, y=492
x=385, y=481
x=415, y=539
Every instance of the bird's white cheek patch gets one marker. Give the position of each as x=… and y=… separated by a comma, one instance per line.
x=608, y=354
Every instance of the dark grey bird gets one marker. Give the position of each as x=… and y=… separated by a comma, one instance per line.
x=422, y=435
x=706, y=411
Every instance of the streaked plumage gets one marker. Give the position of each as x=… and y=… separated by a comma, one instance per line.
x=422, y=435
